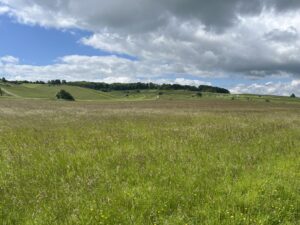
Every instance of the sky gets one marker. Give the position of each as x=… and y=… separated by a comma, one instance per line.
x=245, y=46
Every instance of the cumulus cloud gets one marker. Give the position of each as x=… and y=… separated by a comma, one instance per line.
x=4, y=9
x=288, y=35
x=140, y=15
x=8, y=59
x=108, y=69
x=244, y=49
x=215, y=38
x=271, y=88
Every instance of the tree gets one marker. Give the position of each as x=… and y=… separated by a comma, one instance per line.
x=54, y=82
x=293, y=95
x=3, y=80
x=199, y=94
x=62, y=94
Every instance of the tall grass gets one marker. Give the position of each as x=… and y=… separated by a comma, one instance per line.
x=206, y=162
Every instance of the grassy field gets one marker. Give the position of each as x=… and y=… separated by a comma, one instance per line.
x=210, y=161
x=44, y=91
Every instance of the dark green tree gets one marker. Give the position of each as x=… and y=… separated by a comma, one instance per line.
x=64, y=95
x=293, y=95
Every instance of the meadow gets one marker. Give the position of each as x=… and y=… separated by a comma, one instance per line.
x=48, y=92
x=163, y=161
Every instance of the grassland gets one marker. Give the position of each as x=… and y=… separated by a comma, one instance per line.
x=48, y=92
x=205, y=161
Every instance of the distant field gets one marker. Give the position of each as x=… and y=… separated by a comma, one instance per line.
x=45, y=91
x=180, y=161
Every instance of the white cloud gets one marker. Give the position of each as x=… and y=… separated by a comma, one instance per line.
x=271, y=88
x=94, y=68
x=4, y=9
x=8, y=59
x=201, y=38
x=185, y=81
x=189, y=48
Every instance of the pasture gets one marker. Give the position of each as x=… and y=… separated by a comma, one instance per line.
x=168, y=161
x=48, y=92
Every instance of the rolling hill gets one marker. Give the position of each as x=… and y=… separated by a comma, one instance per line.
x=45, y=91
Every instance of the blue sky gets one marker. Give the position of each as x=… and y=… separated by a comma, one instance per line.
x=38, y=45
x=162, y=43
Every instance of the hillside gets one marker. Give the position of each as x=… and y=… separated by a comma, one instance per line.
x=45, y=91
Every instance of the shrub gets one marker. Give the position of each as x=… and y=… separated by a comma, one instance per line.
x=293, y=95
x=62, y=94
x=199, y=94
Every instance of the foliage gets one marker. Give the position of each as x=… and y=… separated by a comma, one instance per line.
x=54, y=82
x=146, y=86
x=62, y=94
x=293, y=95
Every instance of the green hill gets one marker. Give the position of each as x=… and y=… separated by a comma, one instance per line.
x=45, y=91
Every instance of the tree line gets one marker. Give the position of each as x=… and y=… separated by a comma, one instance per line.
x=145, y=86
x=105, y=87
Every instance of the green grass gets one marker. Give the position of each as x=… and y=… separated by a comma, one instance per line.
x=49, y=92
x=149, y=162
x=44, y=91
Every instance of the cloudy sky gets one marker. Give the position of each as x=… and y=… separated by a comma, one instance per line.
x=246, y=46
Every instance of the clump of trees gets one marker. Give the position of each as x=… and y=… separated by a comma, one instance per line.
x=293, y=95
x=64, y=95
x=57, y=82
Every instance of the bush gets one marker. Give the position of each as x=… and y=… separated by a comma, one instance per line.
x=293, y=95
x=62, y=94
x=199, y=94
